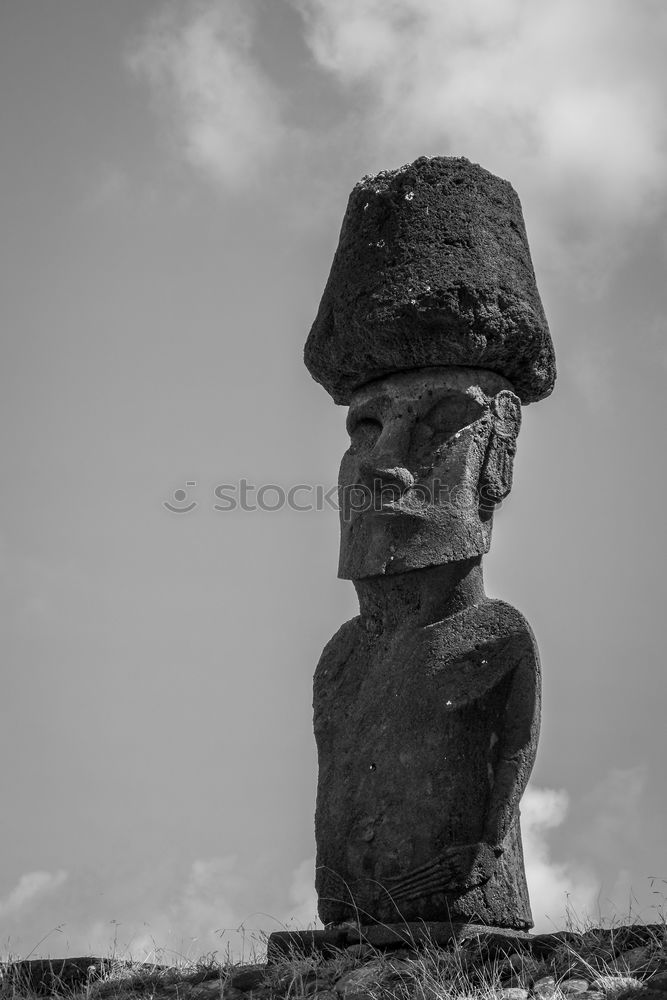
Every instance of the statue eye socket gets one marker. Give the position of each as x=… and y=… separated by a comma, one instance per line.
x=452, y=414
x=364, y=432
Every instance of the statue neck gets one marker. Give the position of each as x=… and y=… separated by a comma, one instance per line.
x=421, y=596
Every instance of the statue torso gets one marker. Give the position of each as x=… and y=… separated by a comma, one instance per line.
x=410, y=725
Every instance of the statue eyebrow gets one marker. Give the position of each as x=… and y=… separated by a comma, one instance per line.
x=454, y=397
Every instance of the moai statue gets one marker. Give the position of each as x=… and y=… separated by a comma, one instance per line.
x=426, y=705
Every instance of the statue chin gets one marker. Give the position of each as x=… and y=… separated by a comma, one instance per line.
x=386, y=544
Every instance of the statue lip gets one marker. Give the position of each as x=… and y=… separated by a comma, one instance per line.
x=402, y=504
x=390, y=508
x=386, y=509
x=396, y=508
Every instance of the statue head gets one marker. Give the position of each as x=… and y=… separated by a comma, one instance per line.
x=432, y=331
x=430, y=457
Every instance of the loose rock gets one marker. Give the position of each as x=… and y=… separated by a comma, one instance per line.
x=572, y=986
x=374, y=973
x=544, y=988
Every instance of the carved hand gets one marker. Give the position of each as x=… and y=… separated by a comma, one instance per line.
x=473, y=863
x=456, y=869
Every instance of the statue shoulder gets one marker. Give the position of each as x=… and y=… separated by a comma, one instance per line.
x=501, y=619
x=340, y=648
x=503, y=629
x=492, y=634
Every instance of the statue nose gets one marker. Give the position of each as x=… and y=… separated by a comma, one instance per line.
x=380, y=474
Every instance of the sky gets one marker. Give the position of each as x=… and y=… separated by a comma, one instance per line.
x=174, y=176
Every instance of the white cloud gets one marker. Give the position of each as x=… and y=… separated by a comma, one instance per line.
x=566, y=99
x=206, y=914
x=563, y=98
x=555, y=888
x=225, y=114
x=30, y=887
x=301, y=913
x=214, y=910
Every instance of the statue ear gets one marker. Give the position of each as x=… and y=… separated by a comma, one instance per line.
x=496, y=476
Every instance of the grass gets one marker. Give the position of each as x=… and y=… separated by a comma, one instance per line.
x=609, y=959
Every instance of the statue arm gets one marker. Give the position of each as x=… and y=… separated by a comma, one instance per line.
x=463, y=866
x=517, y=749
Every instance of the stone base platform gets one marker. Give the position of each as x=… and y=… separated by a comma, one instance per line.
x=386, y=937
x=492, y=941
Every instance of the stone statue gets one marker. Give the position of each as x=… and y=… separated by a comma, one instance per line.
x=426, y=705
